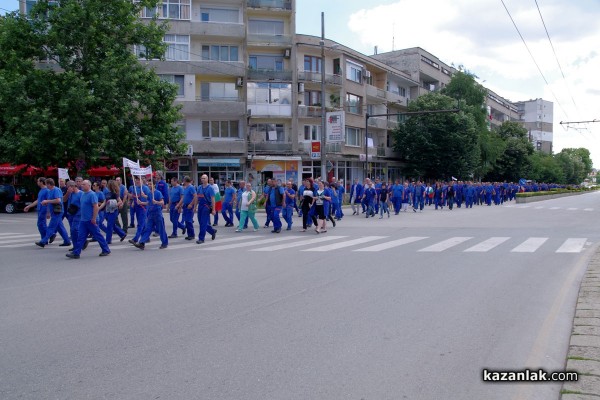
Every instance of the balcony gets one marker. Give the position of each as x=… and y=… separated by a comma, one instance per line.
x=197, y=67
x=309, y=111
x=270, y=147
x=214, y=108
x=394, y=97
x=381, y=151
x=256, y=39
x=380, y=123
x=214, y=29
x=313, y=76
x=270, y=110
x=264, y=74
x=392, y=124
x=330, y=148
x=271, y=4
x=373, y=91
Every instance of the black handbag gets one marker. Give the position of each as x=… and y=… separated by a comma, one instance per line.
x=72, y=209
x=57, y=208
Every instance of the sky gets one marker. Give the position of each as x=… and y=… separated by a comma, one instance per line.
x=480, y=36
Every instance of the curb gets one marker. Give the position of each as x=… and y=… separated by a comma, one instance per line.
x=584, y=348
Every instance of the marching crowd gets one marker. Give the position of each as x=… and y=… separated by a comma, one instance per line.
x=93, y=209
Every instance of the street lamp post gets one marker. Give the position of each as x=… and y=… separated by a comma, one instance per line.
x=323, y=116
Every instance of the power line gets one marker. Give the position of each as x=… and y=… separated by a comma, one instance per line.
x=555, y=56
x=533, y=58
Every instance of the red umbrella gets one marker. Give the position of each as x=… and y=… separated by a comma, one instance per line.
x=104, y=171
x=7, y=169
x=32, y=171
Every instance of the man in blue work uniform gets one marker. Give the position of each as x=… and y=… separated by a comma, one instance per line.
x=124, y=209
x=369, y=198
x=333, y=203
x=489, y=191
x=42, y=209
x=340, y=198
x=88, y=224
x=229, y=198
x=205, y=207
x=377, y=188
x=139, y=209
x=154, y=203
x=275, y=200
x=131, y=203
x=418, y=199
x=175, y=202
x=397, y=194
x=290, y=202
x=266, y=195
x=54, y=202
x=238, y=202
x=469, y=194
x=356, y=192
x=74, y=210
x=188, y=206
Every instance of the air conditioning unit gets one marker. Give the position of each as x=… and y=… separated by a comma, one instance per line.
x=239, y=82
x=301, y=87
x=287, y=53
x=367, y=74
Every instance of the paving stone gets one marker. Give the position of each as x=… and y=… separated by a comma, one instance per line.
x=587, y=313
x=586, y=330
x=584, y=366
x=585, y=384
x=585, y=340
x=578, y=397
x=588, y=306
x=586, y=321
x=585, y=352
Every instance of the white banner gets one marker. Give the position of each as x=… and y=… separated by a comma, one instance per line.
x=127, y=163
x=335, y=126
x=63, y=173
x=142, y=171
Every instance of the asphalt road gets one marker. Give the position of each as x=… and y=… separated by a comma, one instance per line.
x=411, y=307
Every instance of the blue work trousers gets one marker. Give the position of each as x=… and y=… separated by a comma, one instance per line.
x=204, y=221
x=87, y=228
x=155, y=223
x=174, y=218
x=111, y=219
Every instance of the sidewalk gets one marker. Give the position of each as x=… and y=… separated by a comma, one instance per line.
x=584, y=350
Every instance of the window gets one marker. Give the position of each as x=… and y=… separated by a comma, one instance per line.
x=179, y=47
x=220, y=91
x=402, y=91
x=312, y=133
x=354, y=72
x=168, y=9
x=353, y=137
x=312, y=64
x=354, y=103
x=312, y=98
x=30, y=3
x=220, y=129
x=268, y=62
x=219, y=15
x=265, y=27
x=177, y=80
x=269, y=93
x=220, y=53
x=268, y=132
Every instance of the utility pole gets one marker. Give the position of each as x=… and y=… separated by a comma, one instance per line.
x=323, y=113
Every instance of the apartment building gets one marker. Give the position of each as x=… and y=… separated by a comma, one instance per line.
x=537, y=117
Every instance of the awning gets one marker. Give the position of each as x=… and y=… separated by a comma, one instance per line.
x=7, y=169
x=104, y=171
x=218, y=162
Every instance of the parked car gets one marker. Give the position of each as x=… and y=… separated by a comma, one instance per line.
x=15, y=197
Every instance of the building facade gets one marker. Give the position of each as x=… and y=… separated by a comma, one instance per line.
x=537, y=117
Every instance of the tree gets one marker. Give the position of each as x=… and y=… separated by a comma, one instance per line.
x=437, y=145
x=545, y=168
x=89, y=97
x=576, y=164
x=513, y=164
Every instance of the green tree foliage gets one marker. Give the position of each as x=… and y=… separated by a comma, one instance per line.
x=575, y=163
x=514, y=161
x=545, y=168
x=437, y=145
x=71, y=87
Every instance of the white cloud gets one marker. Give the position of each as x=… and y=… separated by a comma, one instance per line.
x=481, y=36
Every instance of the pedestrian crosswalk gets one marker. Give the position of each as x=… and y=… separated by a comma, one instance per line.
x=328, y=243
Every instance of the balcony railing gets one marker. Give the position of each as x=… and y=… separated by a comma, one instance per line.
x=309, y=111
x=380, y=151
x=264, y=74
x=269, y=39
x=270, y=110
x=218, y=98
x=271, y=147
x=380, y=123
x=275, y=4
x=330, y=148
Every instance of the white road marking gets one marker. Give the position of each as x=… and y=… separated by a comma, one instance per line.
x=347, y=243
x=487, y=245
x=393, y=243
x=245, y=244
x=554, y=208
x=446, y=244
x=572, y=245
x=530, y=245
x=299, y=243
